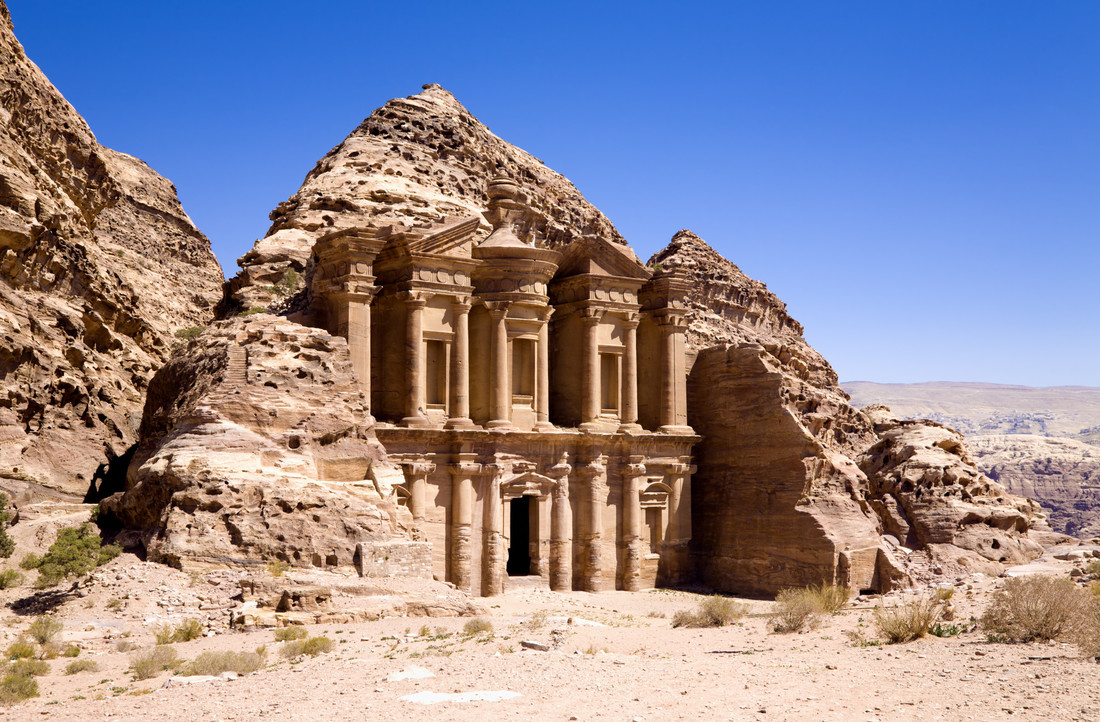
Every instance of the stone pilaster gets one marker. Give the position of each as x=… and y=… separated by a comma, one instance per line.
x=677, y=560
x=496, y=558
x=561, y=529
x=673, y=415
x=590, y=370
x=594, y=478
x=633, y=479
x=414, y=359
x=500, y=372
x=462, y=523
x=416, y=480
x=459, y=410
x=630, y=375
x=542, y=382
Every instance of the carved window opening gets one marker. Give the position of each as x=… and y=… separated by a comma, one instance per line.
x=609, y=383
x=520, y=527
x=523, y=369
x=435, y=371
x=654, y=502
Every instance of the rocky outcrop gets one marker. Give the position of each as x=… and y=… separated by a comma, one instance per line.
x=782, y=496
x=253, y=449
x=1061, y=474
x=927, y=491
x=414, y=161
x=99, y=267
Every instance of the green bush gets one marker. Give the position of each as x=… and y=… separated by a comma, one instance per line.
x=909, y=621
x=7, y=544
x=253, y=311
x=72, y=650
x=153, y=661
x=288, y=283
x=214, y=663
x=45, y=629
x=1034, y=607
x=312, y=646
x=190, y=332
x=287, y=634
x=187, y=630
x=77, y=551
x=10, y=578
x=714, y=611
x=30, y=561
x=15, y=688
x=81, y=665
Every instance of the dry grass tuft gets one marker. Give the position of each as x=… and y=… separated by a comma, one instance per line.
x=153, y=661
x=798, y=609
x=81, y=665
x=1034, y=607
x=214, y=663
x=906, y=622
x=477, y=626
x=288, y=634
x=312, y=646
x=714, y=611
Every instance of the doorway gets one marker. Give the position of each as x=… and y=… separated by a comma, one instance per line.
x=519, y=548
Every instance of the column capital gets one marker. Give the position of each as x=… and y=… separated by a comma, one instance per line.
x=592, y=316
x=462, y=304
x=630, y=320
x=418, y=468
x=465, y=469
x=497, y=309
x=561, y=469
x=670, y=318
x=545, y=313
x=414, y=299
x=635, y=467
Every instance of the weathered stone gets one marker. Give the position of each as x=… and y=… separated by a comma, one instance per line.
x=99, y=267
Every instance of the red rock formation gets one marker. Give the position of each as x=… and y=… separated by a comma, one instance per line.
x=99, y=266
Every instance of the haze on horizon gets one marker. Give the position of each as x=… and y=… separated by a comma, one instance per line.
x=918, y=182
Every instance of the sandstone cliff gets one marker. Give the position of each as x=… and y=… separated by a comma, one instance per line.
x=253, y=449
x=99, y=267
x=783, y=496
x=415, y=160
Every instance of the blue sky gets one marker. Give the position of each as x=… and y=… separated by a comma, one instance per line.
x=919, y=181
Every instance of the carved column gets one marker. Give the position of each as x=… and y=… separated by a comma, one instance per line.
x=501, y=390
x=495, y=557
x=359, y=335
x=633, y=479
x=673, y=415
x=630, y=375
x=460, y=366
x=678, y=478
x=590, y=371
x=561, y=529
x=594, y=476
x=462, y=522
x=416, y=479
x=542, y=383
x=414, y=359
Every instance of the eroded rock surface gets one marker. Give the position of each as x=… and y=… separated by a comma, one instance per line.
x=783, y=496
x=415, y=160
x=99, y=267
x=253, y=448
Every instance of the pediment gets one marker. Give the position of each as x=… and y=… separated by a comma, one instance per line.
x=453, y=237
x=598, y=257
x=529, y=482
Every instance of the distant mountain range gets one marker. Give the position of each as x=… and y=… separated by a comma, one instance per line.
x=1041, y=442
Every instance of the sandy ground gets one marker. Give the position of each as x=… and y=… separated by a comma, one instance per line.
x=614, y=655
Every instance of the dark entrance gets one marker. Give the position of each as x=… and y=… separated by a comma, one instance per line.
x=519, y=551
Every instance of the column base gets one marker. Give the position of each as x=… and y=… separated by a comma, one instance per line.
x=630, y=428
x=459, y=423
x=416, y=421
x=679, y=430
x=591, y=426
x=502, y=424
x=544, y=426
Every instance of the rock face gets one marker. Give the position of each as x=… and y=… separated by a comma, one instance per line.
x=99, y=266
x=783, y=497
x=253, y=449
x=414, y=161
x=1061, y=474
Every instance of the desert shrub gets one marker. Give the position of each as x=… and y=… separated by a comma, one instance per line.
x=45, y=629
x=714, y=611
x=185, y=631
x=906, y=622
x=71, y=650
x=163, y=634
x=795, y=610
x=7, y=544
x=114, y=605
x=153, y=661
x=252, y=311
x=477, y=626
x=81, y=665
x=1033, y=607
x=49, y=650
x=944, y=594
x=10, y=578
x=28, y=667
x=20, y=649
x=77, y=551
x=30, y=561
x=288, y=283
x=189, y=332
x=15, y=688
x=830, y=598
x=312, y=646
x=277, y=568
x=287, y=634
x=214, y=663
x=124, y=645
